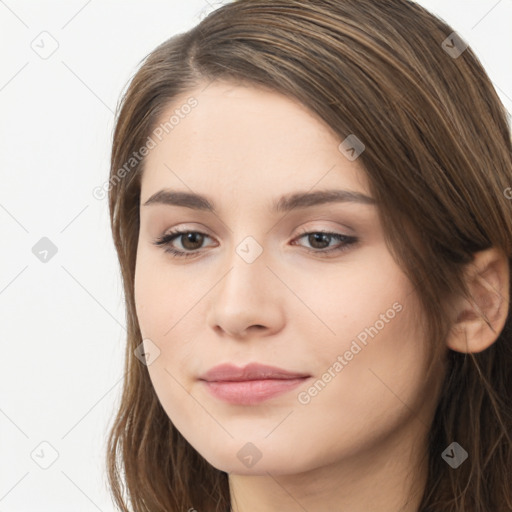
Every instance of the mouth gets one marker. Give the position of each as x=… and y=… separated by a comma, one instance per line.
x=251, y=384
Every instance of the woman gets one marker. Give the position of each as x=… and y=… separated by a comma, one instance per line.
x=309, y=204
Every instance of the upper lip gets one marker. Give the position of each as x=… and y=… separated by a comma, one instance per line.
x=252, y=371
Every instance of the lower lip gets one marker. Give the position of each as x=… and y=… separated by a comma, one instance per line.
x=250, y=392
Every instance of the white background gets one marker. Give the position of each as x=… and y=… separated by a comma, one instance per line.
x=62, y=322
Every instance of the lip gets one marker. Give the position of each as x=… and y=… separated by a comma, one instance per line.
x=250, y=384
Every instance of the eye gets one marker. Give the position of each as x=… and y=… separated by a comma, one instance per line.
x=190, y=243
x=320, y=240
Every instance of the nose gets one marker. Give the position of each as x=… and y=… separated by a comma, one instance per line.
x=248, y=300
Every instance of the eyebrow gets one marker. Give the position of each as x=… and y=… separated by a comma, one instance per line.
x=283, y=204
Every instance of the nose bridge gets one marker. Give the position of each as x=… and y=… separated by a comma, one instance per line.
x=248, y=271
x=242, y=297
x=249, y=250
x=248, y=237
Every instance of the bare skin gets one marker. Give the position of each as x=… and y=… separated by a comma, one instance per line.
x=355, y=444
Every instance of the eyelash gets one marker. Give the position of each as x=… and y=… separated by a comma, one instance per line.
x=166, y=240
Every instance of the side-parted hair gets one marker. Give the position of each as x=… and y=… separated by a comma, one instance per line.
x=438, y=158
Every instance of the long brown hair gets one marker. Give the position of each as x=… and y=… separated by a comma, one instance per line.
x=438, y=159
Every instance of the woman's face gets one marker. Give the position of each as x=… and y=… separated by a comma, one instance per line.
x=262, y=284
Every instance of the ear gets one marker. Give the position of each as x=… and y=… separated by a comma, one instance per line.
x=479, y=321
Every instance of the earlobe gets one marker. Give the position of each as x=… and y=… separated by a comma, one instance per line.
x=480, y=320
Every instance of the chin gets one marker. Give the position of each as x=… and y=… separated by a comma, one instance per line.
x=245, y=460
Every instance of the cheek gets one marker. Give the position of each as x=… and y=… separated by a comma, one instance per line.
x=369, y=389
x=163, y=297
x=164, y=302
x=370, y=328
x=147, y=303
x=388, y=357
x=162, y=316
x=346, y=300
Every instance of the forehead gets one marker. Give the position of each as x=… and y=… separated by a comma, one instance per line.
x=245, y=139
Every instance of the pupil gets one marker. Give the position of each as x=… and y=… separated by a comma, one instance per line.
x=318, y=237
x=190, y=237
